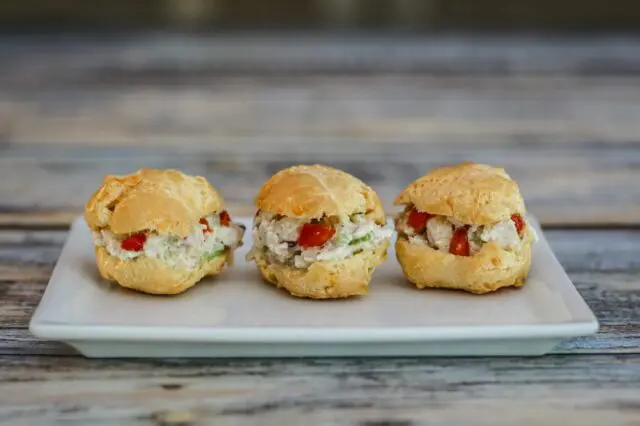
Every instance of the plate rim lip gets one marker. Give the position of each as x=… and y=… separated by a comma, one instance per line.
x=71, y=332
x=51, y=330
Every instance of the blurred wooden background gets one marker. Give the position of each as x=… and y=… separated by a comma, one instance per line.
x=234, y=90
x=561, y=113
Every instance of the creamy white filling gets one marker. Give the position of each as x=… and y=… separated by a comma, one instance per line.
x=279, y=239
x=439, y=232
x=185, y=252
x=503, y=233
x=440, y=229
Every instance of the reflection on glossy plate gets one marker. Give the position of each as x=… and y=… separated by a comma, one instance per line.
x=237, y=315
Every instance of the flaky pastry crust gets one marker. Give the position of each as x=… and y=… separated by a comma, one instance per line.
x=149, y=275
x=165, y=201
x=470, y=193
x=326, y=279
x=312, y=191
x=488, y=270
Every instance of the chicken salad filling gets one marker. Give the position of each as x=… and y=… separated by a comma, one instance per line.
x=299, y=243
x=210, y=238
x=448, y=235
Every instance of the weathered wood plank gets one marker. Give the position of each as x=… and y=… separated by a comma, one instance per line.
x=548, y=390
x=152, y=89
x=38, y=220
x=70, y=56
x=140, y=108
x=602, y=264
x=562, y=186
x=19, y=342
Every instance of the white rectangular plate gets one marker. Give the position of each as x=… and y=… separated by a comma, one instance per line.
x=238, y=315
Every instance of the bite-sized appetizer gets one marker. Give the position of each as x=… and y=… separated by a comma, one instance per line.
x=319, y=232
x=464, y=227
x=160, y=231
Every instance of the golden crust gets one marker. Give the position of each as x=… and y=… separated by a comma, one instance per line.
x=328, y=279
x=149, y=275
x=488, y=270
x=165, y=201
x=471, y=193
x=312, y=191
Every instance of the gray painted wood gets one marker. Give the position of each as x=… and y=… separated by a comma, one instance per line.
x=581, y=186
x=444, y=90
x=438, y=53
x=101, y=107
x=550, y=390
x=237, y=108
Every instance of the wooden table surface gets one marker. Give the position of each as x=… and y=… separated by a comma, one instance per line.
x=561, y=114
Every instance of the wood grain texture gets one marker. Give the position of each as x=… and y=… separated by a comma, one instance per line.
x=561, y=186
x=444, y=90
x=546, y=390
x=139, y=108
x=562, y=114
x=599, y=54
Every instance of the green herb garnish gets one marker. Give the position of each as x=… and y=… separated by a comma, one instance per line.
x=211, y=255
x=343, y=239
x=360, y=240
x=475, y=236
x=172, y=239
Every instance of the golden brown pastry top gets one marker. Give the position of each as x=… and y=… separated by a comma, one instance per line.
x=471, y=193
x=312, y=191
x=165, y=201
